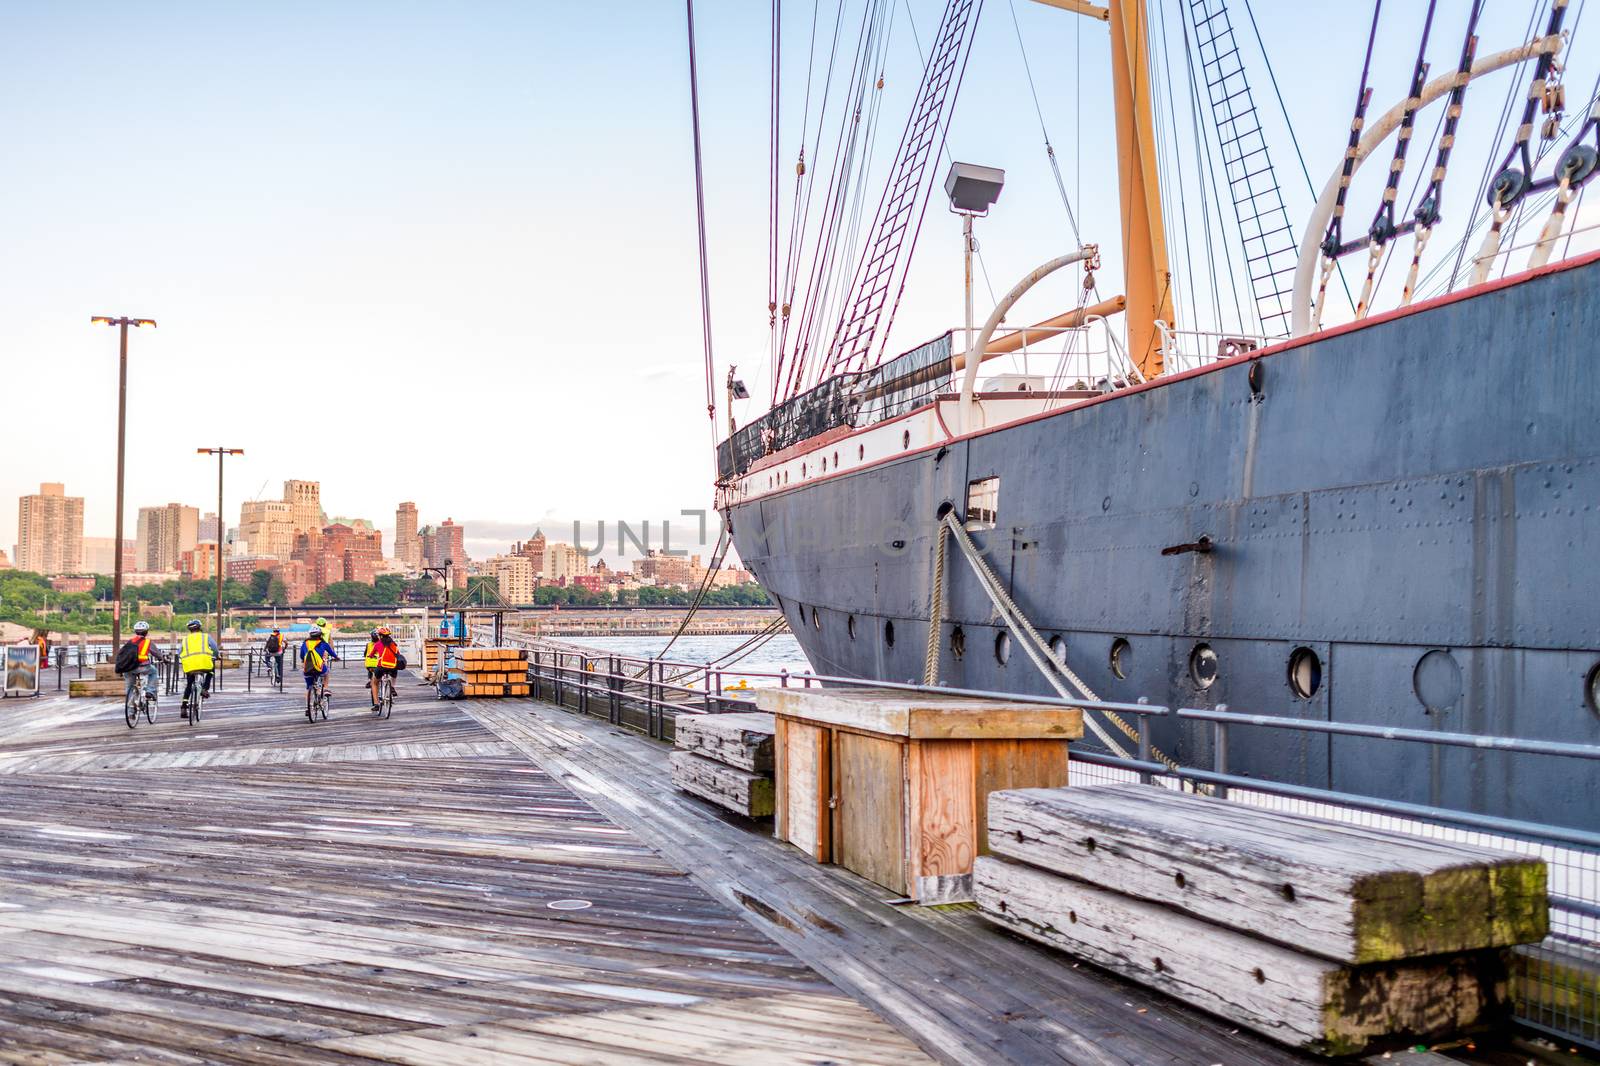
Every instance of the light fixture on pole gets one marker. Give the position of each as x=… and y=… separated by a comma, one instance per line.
x=972, y=190
x=122, y=436
x=222, y=525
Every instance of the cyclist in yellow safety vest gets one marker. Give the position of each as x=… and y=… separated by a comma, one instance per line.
x=383, y=660
x=197, y=655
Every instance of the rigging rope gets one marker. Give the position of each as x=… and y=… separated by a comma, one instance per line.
x=700, y=214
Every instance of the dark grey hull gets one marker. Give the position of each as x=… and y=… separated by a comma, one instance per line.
x=1429, y=483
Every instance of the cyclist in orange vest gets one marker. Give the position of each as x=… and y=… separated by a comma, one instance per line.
x=145, y=655
x=384, y=654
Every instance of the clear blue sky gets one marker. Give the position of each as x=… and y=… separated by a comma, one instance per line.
x=352, y=218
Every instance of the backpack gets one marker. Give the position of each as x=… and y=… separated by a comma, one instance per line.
x=313, y=661
x=128, y=657
x=399, y=661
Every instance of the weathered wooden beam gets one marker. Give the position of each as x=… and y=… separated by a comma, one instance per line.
x=1351, y=893
x=727, y=786
x=742, y=740
x=1299, y=999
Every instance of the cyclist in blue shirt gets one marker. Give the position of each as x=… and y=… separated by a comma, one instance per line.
x=315, y=655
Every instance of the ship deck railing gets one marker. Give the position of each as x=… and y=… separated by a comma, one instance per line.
x=646, y=695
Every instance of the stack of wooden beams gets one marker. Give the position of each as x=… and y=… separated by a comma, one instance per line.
x=727, y=759
x=1322, y=935
x=488, y=672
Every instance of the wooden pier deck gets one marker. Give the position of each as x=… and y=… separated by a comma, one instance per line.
x=259, y=889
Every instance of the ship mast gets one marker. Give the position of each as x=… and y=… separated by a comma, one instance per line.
x=1148, y=276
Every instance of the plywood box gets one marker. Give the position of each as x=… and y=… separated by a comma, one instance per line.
x=895, y=787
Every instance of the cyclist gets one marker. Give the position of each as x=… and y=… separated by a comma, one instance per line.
x=143, y=658
x=315, y=654
x=327, y=632
x=197, y=654
x=385, y=657
x=369, y=659
x=274, y=653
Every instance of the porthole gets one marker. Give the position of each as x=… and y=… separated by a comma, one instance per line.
x=800, y=609
x=1305, y=673
x=1437, y=682
x=1058, y=648
x=958, y=643
x=1121, y=657
x=850, y=626
x=802, y=470
x=888, y=634
x=816, y=619
x=824, y=464
x=836, y=460
x=1591, y=689
x=905, y=439
x=861, y=451
x=1254, y=377
x=1203, y=666
x=1002, y=647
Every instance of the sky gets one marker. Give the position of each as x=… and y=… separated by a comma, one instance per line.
x=446, y=252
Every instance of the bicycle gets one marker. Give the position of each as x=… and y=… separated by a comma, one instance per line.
x=275, y=670
x=385, y=696
x=140, y=699
x=317, y=702
x=195, y=697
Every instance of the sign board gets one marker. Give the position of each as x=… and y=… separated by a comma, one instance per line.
x=22, y=670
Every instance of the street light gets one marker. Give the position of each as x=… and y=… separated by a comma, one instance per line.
x=122, y=436
x=972, y=190
x=222, y=525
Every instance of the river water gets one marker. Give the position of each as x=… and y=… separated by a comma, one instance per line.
x=780, y=652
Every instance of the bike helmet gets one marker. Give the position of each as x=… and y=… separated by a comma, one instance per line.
x=322, y=623
x=373, y=634
x=274, y=629
x=141, y=627
x=194, y=623
x=383, y=631
x=314, y=631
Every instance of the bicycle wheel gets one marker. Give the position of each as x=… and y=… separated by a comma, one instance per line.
x=311, y=705
x=196, y=703
x=322, y=706
x=386, y=696
x=150, y=707
x=130, y=710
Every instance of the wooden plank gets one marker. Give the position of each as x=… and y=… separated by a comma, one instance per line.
x=944, y=825
x=742, y=740
x=1011, y=764
x=727, y=786
x=894, y=712
x=1302, y=1000
x=869, y=822
x=1350, y=893
x=806, y=783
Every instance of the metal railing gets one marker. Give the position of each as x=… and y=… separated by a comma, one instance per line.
x=1554, y=982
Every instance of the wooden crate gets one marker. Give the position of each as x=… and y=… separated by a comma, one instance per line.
x=736, y=789
x=895, y=787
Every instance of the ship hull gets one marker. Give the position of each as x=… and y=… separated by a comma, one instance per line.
x=1415, y=503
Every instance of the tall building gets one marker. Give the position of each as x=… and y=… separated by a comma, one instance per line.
x=305, y=504
x=407, y=545
x=210, y=527
x=514, y=577
x=339, y=553
x=164, y=534
x=50, y=531
x=100, y=555
x=200, y=562
x=446, y=541
x=562, y=562
x=684, y=571
x=266, y=527
x=533, y=548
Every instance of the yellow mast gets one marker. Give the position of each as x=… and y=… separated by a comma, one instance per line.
x=1144, y=245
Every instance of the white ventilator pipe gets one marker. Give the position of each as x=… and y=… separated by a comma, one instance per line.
x=1310, y=244
x=969, y=380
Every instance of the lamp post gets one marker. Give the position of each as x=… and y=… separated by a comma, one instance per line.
x=122, y=437
x=972, y=190
x=222, y=525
